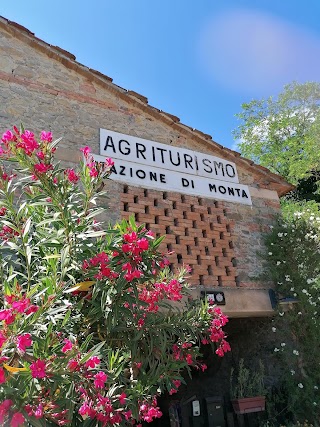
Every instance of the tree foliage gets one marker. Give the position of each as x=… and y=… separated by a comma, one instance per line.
x=294, y=259
x=283, y=133
x=94, y=324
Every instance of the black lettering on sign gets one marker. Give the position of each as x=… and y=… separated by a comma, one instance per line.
x=177, y=161
x=206, y=162
x=113, y=169
x=218, y=166
x=163, y=178
x=162, y=150
x=196, y=160
x=188, y=160
x=185, y=182
x=231, y=191
x=212, y=187
x=141, y=174
x=222, y=189
x=153, y=176
x=124, y=150
x=109, y=143
x=122, y=169
x=238, y=191
x=230, y=170
x=244, y=194
x=140, y=148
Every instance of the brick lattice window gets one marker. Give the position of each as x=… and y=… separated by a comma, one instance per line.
x=197, y=231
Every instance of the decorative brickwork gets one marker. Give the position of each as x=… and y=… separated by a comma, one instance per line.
x=197, y=231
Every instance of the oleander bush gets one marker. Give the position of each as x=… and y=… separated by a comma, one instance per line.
x=90, y=335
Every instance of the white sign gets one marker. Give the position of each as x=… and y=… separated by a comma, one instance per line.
x=137, y=150
x=165, y=180
x=149, y=164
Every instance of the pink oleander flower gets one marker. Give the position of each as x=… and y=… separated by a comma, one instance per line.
x=3, y=339
x=74, y=365
x=122, y=398
x=127, y=415
x=86, y=151
x=38, y=413
x=40, y=155
x=92, y=362
x=28, y=143
x=24, y=341
x=72, y=176
x=4, y=409
x=31, y=309
x=46, y=136
x=17, y=420
x=109, y=162
x=8, y=136
x=67, y=346
x=2, y=376
x=93, y=172
x=84, y=409
x=21, y=305
x=143, y=244
x=38, y=369
x=189, y=359
x=7, y=315
x=99, y=379
x=41, y=168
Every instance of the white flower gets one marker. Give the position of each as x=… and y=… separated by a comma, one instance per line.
x=304, y=291
x=316, y=387
x=276, y=349
x=315, y=403
x=281, y=314
x=292, y=371
x=273, y=329
x=269, y=253
x=278, y=262
x=299, y=312
x=300, y=385
x=283, y=344
x=295, y=352
x=280, y=234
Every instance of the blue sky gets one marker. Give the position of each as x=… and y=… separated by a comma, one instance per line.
x=199, y=60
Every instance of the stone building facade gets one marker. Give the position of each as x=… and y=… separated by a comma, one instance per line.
x=44, y=87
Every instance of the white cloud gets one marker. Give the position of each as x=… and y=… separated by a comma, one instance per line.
x=248, y=51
